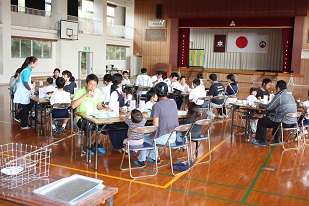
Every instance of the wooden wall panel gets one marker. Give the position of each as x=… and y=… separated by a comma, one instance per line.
x=152, y=51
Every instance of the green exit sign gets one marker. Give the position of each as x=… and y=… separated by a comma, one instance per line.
x=86, y=48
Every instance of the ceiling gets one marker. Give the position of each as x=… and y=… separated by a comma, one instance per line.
x=124, y=3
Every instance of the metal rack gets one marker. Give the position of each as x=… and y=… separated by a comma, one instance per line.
x=22, y=163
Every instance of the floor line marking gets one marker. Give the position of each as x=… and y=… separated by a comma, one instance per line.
x=109, y=176
x=257, y=176
x=200, y=159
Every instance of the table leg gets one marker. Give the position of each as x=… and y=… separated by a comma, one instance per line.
x=96, y=146
x=41, y=124
x=35, y=116
x=247, y=124
x=88, y=141
x=81, y=137
x=110, y=201
x=232, y=116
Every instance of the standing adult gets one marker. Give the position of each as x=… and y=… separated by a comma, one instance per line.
x=165, y=117
x=281, y=104
x=55, y=76
x=23, y=91
x=263, y=90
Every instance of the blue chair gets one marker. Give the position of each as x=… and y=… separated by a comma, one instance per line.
x=176, y=146
x=198, y=139
x=144, y=146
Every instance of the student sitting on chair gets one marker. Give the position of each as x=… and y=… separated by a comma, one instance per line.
x=49, y=88
x=155, y=79
x=126, y=79
x=137, y=120
x=143, y=80
x=89, y=93
x=196, y=93
x=106, y=90
x=151, y=99
x=59, y=97
x=232, y=86
x=55, y=76
x=216, y=89
x=200, y=77
x=172, y=81
x=69, y=86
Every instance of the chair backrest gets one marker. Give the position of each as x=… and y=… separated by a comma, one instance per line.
x=203, y=122
x=183, y=128
x=145, y=129
x=61, y=105
x=292, y=115
x=205, y=99
x=221, y=97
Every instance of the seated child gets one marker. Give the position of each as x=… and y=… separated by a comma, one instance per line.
x=137, y=120
x=126, y=79
x=59, y=97
x=151, y=99
x=193, y=115
x=49, y=86
x=251, y=98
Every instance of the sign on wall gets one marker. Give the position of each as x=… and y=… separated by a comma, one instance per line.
x=156, y=23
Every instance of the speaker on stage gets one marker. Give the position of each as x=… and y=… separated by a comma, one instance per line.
x=159, y=11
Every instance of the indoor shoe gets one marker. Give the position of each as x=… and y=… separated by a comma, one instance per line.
x=101, y=150
x=55, y=131
x=26, y=127
x=61, y=130
x=139, y=163
x=259, y=143
x=152, y=161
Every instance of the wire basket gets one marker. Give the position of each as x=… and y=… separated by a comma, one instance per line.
x=22, y=163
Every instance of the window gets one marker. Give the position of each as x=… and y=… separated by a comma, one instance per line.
x=48, y=5
x=22, y=48
x=116, y=53
x=110, y=17
x=86, y=11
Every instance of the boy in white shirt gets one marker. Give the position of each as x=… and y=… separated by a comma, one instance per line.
x=196, y=93
x=49, y=86
x=59, y=97
x=151, y=99
x=106, y=90
x=172, y=81
x=143, y=80
x=126, y=79
x=155, y=79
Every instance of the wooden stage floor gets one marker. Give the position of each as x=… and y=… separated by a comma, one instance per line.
x=238, y=174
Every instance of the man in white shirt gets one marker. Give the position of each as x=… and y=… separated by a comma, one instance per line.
x=196, y=93
x=172, y=81
x=106, y=90
x=155, y=79
x=126, y=79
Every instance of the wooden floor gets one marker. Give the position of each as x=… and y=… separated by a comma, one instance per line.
x=238, y=174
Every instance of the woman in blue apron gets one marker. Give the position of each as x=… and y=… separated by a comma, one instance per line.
x=23, y=91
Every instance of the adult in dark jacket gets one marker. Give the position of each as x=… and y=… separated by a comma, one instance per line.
x=282, y=103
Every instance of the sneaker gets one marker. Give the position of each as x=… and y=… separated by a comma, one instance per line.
x=26, y=127
x=220, y=116
x=17, y=120
x=101, y=150
x=61, y=130
x=275, y=141
x=139, y=163
x=152, y=160
x=55, y=131
x=260, y=143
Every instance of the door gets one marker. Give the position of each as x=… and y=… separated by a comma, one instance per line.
x=85, y=63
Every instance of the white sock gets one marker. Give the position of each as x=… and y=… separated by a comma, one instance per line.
x=53, y=126
x=63, y=126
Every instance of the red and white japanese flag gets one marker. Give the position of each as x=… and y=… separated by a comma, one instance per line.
x=241, y=42
x=262, y=44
